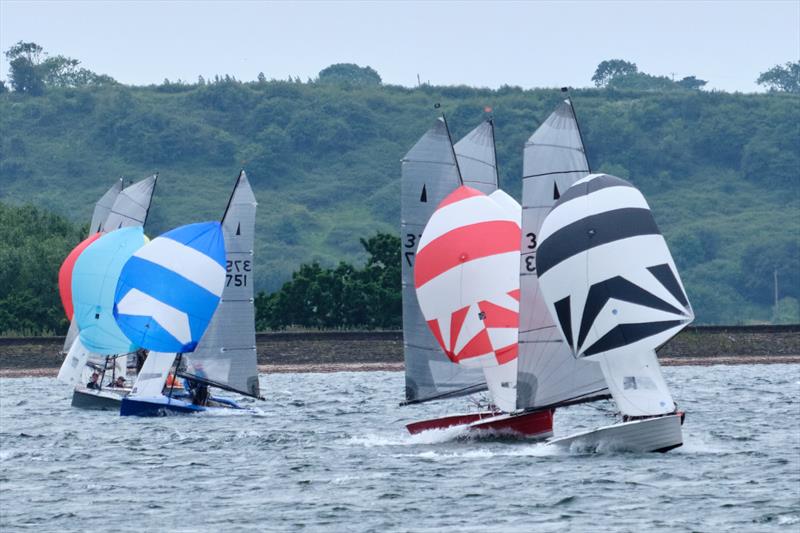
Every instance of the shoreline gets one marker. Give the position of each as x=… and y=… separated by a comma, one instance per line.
x=319, y=368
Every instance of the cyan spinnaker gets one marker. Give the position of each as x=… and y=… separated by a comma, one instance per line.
x=94, y=281
x=65, y=273
x=169, y=289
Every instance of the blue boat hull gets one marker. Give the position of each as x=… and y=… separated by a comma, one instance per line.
x=164, y=406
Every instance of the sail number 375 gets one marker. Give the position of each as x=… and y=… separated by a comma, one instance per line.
x=236, y=272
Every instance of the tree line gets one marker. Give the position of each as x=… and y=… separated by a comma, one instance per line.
x=720, y=170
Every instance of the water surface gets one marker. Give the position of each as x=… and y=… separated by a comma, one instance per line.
x=328, y=452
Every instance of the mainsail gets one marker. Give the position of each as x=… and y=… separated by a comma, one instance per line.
x=476, y=157
x=548, y=374
x=103, y=207
x=132, y=205
x=429, y=172
x=607, y=275
x=227, y=350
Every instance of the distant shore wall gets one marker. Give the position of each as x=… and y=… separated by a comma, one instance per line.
x=359, y=347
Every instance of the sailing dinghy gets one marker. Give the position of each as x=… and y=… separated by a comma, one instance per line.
x=464, y=275
x=118, y=208
x=611, y=286
x=188, y=296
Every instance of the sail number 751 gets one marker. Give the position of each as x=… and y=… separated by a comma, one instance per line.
x=236, y=272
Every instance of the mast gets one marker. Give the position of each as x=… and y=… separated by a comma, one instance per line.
x=452, y=149
x=494, y=151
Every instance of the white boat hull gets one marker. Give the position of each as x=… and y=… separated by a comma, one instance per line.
x=659, y=434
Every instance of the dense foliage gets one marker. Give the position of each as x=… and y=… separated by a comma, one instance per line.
x=34, y=243
x=719, y=170
x=340, y=297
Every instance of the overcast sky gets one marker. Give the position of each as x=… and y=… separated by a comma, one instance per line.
x=488, y=44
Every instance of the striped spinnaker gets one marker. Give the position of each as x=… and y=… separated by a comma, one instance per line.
x=466, y=278
x=169, y=289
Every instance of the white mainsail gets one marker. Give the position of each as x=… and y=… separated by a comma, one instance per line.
x=609, y=280
x=548, y=374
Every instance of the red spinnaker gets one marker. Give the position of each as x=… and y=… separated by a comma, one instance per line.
x=65, y=273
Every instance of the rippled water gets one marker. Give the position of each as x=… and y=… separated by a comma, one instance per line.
x=328, y=452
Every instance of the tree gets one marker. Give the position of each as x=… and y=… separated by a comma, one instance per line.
x=782, y=78
x=349, y=74
x=612, y=68
x=3, y=88
x=691, y=82
x=261, y=78
x=24, y=73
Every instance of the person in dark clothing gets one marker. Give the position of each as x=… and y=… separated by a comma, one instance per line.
x=141, y=356
x=93, y=381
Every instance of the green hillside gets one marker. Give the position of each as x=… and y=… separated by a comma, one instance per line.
x=720, y=170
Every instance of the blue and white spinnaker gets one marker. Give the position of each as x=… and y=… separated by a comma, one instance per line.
x=169, y=289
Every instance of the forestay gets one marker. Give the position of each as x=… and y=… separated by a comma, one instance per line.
x=94, y=281
x=428, y=174
x=227, y=351
x=477, y=160
x=608, y=277
x=548, y=374
x=169, y=289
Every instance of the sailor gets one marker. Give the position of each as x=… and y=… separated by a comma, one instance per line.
x=198, y=389
x=93, y=381
x=119, y=383
x=141, y=356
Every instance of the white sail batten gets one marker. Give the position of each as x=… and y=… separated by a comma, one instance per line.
x=477, y=159
x=548, y=373
x=428, y=174
x=612, y=287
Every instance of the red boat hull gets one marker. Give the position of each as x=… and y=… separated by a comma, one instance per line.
x=537, y=424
